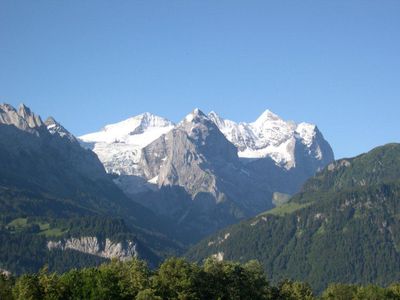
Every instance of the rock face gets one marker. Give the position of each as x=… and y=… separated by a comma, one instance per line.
x=196, y=158
x=22, y=118
x=92, y=245
x=189, y=155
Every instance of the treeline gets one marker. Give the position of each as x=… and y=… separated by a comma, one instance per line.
x=174, y=279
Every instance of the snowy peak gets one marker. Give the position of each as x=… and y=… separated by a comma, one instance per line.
x=150, y=120
x=119, y=146
x=271, y=136
x=140, y=130
x=267, y=116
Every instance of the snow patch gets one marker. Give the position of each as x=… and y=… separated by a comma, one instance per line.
x=154, y=180
x=119, y=146
x=189, y=118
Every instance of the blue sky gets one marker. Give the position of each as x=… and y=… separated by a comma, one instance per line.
x=89, y=63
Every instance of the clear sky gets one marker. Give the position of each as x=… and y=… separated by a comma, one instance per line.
x=89, y=63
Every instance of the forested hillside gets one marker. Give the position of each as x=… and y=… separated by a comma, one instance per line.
x=343, y=227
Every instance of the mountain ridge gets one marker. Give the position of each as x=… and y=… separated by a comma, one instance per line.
x=47, y=177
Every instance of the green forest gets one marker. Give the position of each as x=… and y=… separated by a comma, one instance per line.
x=175, y=278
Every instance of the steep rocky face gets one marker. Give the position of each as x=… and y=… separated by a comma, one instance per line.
x=92, y=245
x=22, y=118
x=197, y=158
x=189, y=155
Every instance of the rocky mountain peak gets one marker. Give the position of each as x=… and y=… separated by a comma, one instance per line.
x=195, y=116
x=56, y=128
x=23, y=119
x=32, y=119
x=23, y=110
x=204, y=131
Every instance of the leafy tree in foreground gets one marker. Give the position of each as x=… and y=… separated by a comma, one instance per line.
x=28, y=287
x=147, y=294
x=176, y=278
x=339, y=292
x=6, y=285
x=295, y=290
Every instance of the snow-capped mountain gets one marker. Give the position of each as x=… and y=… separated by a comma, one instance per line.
x=203, y=173
x=206, y=171
x=119, y=145
x=271, y=136
x=290, y=146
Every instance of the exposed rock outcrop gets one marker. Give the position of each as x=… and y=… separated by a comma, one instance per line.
x=22, y=118
x=92, y=245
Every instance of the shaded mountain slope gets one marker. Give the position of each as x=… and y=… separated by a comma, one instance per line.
x=47, y=177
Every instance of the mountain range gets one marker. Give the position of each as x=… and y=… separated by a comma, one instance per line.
x=149, y=188
x=207, y=172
